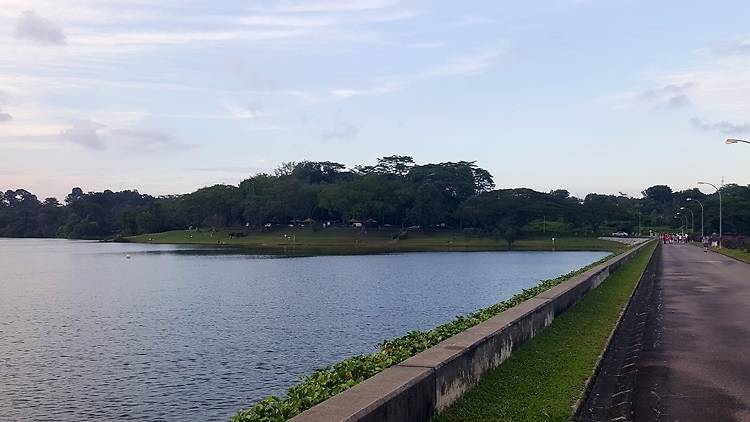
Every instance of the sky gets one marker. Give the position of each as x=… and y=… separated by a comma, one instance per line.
x=172, y=95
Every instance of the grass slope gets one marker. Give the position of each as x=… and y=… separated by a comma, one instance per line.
x=734, y=253
x=543, y=380
x=342, y=240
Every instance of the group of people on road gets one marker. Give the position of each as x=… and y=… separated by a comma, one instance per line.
x=681, y=238
x=674, y=238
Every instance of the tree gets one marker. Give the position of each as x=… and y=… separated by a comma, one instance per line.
x=318, y=171
x=74, y=195
x=396, y=191
x=560, y=193
x=510, y=235
x=440, y=189
x=600, y=208
x=659, y=193
x=394, y=165
x=285, y=169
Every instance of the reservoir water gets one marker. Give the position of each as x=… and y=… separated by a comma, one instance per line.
x=184, y=333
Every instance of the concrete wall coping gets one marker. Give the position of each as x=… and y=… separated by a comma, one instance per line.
x=365, y=396
x=443, y=352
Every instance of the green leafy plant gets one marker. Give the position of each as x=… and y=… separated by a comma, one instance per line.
x=327, y=382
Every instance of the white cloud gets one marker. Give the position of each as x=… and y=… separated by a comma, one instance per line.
x=231, y=169
x=345, y=132
x=96, y=136
x=308, y=21
x=100, y=12
x=667, y=96
x=727, y=128
x=424, y=45
x=471, y=20
x=31, y=26
x=165, y=38
x=147, y=140
x=735, y=47
x=466, y=65
x=380, y=89
x=671, y=95
x=145, y=136
x=284, y=20
x=84, y=133
x=723, y=86
x=249, y=111
x=458, y=65
x=4, y=98
x=15, y=129
x=312, y=6
x=716, y=87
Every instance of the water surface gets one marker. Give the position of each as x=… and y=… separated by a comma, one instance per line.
x=184, y=333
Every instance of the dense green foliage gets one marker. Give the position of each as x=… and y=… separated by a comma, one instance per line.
x=395, y=192
x=327, y=382
x=546, y=376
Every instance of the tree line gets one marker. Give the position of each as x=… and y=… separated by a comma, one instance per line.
x=393, y=192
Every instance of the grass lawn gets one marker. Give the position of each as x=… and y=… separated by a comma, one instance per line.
x=734, y=253
x=344, y=240
x=543, y=379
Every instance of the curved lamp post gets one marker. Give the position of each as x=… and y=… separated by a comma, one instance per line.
x=692, y=219
x=736, y=141
x=719, y=192
x=699, y=203
x=683, y=222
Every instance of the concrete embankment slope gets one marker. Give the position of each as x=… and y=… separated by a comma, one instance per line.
x=421, y=386
x=694, y=365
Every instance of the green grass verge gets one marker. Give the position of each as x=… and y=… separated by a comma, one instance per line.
x=544, y=378
x=734, y=253
x=342, y=240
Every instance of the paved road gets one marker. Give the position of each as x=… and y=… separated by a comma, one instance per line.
x=695, y=362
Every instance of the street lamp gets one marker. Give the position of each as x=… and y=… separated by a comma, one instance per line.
x=683, y=222
x=699, y=203
x=692, y=219
x=719, y=192
x=731, y=141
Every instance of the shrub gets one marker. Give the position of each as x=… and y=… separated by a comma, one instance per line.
x=737, y=242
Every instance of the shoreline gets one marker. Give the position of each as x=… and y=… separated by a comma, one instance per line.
x=348, y=242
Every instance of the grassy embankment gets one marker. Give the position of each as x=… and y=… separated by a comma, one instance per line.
x=543, y=380
x=343, y=240
x=734, y=253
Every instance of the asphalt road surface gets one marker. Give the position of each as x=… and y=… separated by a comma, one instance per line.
x=695, y=361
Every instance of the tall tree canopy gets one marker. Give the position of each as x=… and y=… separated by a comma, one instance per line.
x=394, y=191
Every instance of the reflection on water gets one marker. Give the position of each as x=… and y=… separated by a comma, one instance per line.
x=185, y=333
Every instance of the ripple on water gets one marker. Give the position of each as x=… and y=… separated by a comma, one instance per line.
x=174, y=334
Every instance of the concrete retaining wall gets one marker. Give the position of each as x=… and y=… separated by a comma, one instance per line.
x=427, y=383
